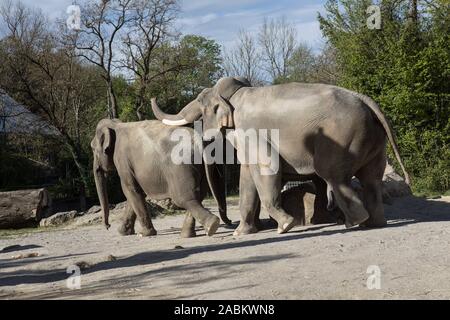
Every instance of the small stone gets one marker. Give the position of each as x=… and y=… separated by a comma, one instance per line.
x=178, y=247
x=110, y=258
x=83, y=265
x=26, y=255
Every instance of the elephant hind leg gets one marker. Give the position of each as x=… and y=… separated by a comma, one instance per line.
x=136, y=199
x=346, y=198
x=334, y=165
x=371, y=177
x=209, y=221
x=349, y=202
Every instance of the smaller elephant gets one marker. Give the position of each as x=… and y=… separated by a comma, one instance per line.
x=141, y=154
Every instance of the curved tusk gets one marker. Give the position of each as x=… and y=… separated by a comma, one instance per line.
x=175, y=122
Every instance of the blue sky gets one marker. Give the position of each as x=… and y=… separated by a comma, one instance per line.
x=221, y=19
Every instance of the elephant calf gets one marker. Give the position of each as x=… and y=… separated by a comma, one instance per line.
x=141, y=154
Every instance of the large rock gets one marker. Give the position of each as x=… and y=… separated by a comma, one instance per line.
x=298, y=201
x=58, y=219
x=93, y=210
x=95, y=214
x=166, y=204
x=394, y=186
x=23, y=208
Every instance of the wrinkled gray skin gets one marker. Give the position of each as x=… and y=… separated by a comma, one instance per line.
x=141, y=154
x=324, y=131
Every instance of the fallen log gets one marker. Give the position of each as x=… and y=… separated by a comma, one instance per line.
x=23, y=208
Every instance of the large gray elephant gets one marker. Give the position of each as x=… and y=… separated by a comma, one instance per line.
x=141, y=154
x=324, y=131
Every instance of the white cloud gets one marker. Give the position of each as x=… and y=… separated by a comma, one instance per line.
x=225, y=24
x=196, y=21
x=221, y=20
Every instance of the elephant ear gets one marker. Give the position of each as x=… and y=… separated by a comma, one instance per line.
x=225, y=113
x=227, y=87
x=108, y=140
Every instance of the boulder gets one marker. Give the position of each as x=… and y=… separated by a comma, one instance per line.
x=58, y=219
x=299, y=202
x=93, y=210
x=23, y=208
x=166, y=204
x=394, y=186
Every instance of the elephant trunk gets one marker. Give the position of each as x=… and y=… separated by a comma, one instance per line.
x=188, y=114
x=215, y=175
x=100, y=183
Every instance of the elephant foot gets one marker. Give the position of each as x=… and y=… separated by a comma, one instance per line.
x=286, y=224
x=211, y=225
x=126, y=231
x=188, y=233
x=355, y=222
x=359, y=215
x=374, y=223
x=148, y=232
x=225, y=219
x=245, y=228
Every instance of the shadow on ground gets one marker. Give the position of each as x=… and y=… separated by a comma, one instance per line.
x=404, y=211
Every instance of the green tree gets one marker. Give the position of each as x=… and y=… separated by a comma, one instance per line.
x=405, y=67
x=40, y=71
x=199, y=61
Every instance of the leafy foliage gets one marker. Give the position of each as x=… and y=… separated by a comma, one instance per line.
x=405, y=67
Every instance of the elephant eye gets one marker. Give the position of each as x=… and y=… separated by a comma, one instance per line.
x=215, y=108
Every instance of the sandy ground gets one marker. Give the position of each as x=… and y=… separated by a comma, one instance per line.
x=315, y=262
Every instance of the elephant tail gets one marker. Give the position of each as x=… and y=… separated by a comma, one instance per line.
x=387, y=127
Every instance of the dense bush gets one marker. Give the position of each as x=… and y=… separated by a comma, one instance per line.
x=405, y=67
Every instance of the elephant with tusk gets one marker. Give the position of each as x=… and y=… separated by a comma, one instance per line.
x=326, y=133
x=141, y=154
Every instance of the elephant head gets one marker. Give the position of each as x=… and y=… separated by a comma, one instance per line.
x=212, y=105
x=103, y=149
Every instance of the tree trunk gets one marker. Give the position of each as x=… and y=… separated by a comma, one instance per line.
x=112, y=100
x=24, y=208
x=82, y=171
x=140, y=101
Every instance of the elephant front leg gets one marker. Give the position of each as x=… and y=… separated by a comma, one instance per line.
x=136, y=199
x=188, y=230
x=128, y=220
x=248, y=203
x=269, y=190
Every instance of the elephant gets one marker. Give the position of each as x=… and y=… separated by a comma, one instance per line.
x=141, y=154
x=325, y=132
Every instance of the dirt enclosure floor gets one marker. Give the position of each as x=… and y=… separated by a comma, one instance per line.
x=411, y=257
